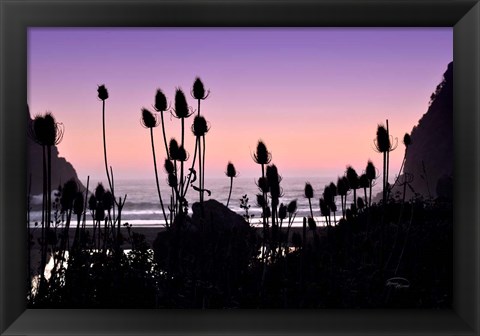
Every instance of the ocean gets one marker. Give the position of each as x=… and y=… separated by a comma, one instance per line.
x=142, y=207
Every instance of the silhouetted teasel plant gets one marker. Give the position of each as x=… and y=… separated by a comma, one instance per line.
x=161, y=106
x=181, y=111
x=354, y=183
x=372, y=175
x=384, y=145
x=231, y=173
x=46, y=132
x=263, y=157
x=308, y=193
x=342, y=190
x=200, y=128
x=103, y=95
x=150, y=121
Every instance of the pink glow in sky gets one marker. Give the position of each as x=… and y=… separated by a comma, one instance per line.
x=313, y=95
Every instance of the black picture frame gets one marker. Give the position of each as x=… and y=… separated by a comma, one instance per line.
x=17, y=16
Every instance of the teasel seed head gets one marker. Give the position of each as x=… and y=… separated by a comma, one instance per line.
x=371, y=171
x=282, y=211
x=308, y=191
x=182, y=110
x=312, y=225
x=261, y=201
x=108, y=200
x=363, y=181
x=198, y=90
x=99, y=192
x=102, y=92
x=172, y=180
x=92, y=202
x=160, y=101
x=292, y=207
x=149, y=120
x=262, y=184
x=262, y=155
x=352, y=177
x=182, y=154
x=407, y=140
x=168, y=165
x=231, y=171
x=200, y=126
x=382, y=142
x=69, y=191
x=173, y=149
x=78, y=204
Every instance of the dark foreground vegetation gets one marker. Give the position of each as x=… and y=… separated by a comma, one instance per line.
x=396, y=252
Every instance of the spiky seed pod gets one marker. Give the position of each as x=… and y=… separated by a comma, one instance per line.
x=168, y=165
x=108, y=200
x=308, y=191
x=99, y=192
x=102, y=92
x=149, y=120
x=342, y=186
x=382, y=142
x=160, y=101
x=272, y=175
x=363, y=181
x=327, y=193
x=282, y=211
x=371, y=171
x=360, y=203
x=92, y=202
x=324, y=207
x=182, y=154
x=173, y=149
x=78, y=204
x=262, y=184
x=53, y=131
x=198, y=90
x=407, y=140
x=231, y=171
x=69, y=191
x=200, y=126
x=37, y=130
x=352, y=177
x=262, y=155
x=181, y=107
x=292, y=207
x=333, y=189
x=312, y=225
x=99, y=212
x=260, y=200
x=172, y=180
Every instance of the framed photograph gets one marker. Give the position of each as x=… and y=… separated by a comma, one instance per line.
x=150, y=179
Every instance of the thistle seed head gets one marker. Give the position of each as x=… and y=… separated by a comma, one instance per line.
x=160, y=101
x=149, y=120
x=308, y=191
x=262, y=155
x=102, y=92
x=231, y=171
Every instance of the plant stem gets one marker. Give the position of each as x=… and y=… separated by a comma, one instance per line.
x=156, y=177
x=230, y=192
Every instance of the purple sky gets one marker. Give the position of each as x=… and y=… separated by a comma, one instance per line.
x=314, y=95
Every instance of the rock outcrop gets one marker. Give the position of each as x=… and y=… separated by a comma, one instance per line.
x=429, y=159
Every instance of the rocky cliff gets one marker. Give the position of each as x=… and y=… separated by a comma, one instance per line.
x=429, y=159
